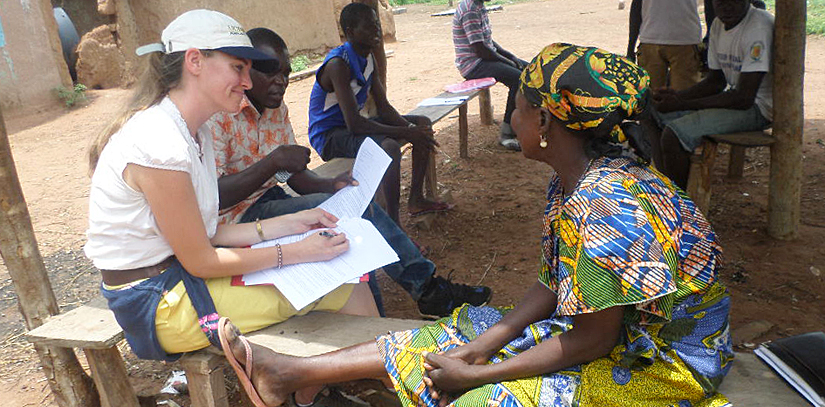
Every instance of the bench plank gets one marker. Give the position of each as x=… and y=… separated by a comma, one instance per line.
x=91, y=326
x=751, y=383
x=746, y=139
x=321, y=332
x=436, y=113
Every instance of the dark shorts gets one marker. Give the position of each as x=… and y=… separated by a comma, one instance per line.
x=340, y=142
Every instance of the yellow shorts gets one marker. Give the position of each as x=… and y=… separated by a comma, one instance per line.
x=250, y=308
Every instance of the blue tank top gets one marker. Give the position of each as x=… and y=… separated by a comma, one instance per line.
x=324, y=111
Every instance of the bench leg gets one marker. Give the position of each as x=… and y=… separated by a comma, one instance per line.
x=463, y=129
x=699, y=182
x=204, y=373
x=485, y=107
x=430, y=178
x=111, y=379
x=736, y=165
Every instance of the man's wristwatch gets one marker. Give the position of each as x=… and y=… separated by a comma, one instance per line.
x=282, y=176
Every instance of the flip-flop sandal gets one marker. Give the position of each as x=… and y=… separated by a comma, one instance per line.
x=437, y=207
x=244, y=373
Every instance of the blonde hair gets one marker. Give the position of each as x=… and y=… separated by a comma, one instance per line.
x=161, y=74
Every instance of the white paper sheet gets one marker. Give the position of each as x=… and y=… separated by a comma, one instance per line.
x=455, y=100
x=304, y=283
x=370, y=165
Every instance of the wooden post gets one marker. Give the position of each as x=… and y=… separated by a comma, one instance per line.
x=788, y=116
x=18, y=247
x=463, y=129
x=485, y=107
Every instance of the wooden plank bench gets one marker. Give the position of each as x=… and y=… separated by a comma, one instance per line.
x=702, y=160
x=93, y=329
x=436, y=113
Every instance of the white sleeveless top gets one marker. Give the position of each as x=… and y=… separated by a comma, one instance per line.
x=122, y=230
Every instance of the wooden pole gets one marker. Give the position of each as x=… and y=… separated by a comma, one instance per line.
x=18, y=247
x=788, y=119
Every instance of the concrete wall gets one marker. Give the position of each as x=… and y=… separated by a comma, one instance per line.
x=31, y=60
x=304, y=24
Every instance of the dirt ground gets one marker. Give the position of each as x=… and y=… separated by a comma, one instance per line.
x=491, y=237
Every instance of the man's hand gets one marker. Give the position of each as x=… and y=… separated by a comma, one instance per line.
x=666, y=100
x=343, y=179
x=292, y=158
x=422, y=135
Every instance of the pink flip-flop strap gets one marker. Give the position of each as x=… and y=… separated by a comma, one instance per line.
x=248, y=366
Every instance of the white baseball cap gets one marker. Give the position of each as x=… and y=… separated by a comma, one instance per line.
x=208, y=30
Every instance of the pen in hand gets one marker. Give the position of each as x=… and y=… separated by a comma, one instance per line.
x=327, y=233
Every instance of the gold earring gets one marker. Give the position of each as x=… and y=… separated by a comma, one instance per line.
x=543, y=142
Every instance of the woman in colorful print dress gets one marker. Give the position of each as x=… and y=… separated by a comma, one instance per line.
x=627, y=309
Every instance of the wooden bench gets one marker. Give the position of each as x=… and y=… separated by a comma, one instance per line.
x=93, y=329
x=702, y=160
x=436, y=113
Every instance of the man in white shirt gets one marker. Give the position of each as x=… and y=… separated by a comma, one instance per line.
x=735, y=96
x=669, y=33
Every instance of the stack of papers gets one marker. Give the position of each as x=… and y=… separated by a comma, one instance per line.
x=455, y=100
x=304, y=283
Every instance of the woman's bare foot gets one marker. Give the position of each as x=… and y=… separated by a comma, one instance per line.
x=270, y=372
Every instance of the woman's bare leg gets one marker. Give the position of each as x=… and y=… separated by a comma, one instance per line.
x=276, y=376
x=360, y=302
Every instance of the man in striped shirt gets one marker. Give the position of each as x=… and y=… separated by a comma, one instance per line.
x=478, y=56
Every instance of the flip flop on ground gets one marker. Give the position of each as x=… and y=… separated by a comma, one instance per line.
x=244, y=373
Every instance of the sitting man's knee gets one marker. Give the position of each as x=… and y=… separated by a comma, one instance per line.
x=391, y=147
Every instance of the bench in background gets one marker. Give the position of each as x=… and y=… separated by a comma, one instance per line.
x=702, y=160
x=436, y=113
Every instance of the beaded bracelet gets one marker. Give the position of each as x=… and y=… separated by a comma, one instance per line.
x=280, y=255
x=260, y=230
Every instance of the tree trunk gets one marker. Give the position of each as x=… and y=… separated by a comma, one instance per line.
x=18, y=247
x=788, y=119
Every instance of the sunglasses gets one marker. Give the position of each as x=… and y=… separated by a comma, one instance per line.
x=267, y=66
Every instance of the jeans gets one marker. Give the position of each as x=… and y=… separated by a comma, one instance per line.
x=504, y=73
x=412, y=272
x=691, y=125
x=135, y=308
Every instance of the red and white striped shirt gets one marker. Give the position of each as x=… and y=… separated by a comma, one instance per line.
x=470, y=25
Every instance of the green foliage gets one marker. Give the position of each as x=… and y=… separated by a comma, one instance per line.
x=300, y=63
x=72, y=96
x=816, y=15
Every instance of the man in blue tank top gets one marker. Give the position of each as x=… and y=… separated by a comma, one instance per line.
x=336, y=129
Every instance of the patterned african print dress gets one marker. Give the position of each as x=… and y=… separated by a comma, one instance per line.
x=625, y=237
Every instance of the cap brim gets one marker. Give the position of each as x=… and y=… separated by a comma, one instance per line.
x=246, y=52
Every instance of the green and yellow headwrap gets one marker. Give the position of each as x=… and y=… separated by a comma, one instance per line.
x=586, y=88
